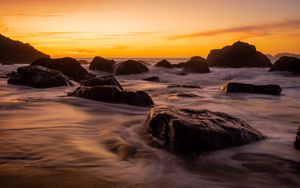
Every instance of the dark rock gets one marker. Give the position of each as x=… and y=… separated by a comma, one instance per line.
x=291, y=64
x=38, y=77
x=102, y=64
x=152, y=79
x=238, y=55
x=68, y=66
x=196, y=65
x=131, y=67
x=184, y=86
x=249, y=88
x=102, y=81
x=113, y=94
x=189, y=95
x=297, y=141
x=178, y=65
x=16, y=52
x=198, y=130
x=164, y=63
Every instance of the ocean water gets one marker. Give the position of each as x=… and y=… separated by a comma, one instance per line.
x=45, y=129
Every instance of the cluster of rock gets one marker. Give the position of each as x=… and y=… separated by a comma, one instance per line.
x=46, y=73
x=123, y=68
x=196, y=64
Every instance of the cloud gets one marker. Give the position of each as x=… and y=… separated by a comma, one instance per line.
x=31, y=15
x=80, y=51
x=249, y=30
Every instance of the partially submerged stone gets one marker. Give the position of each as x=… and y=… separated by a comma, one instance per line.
x=233, y=87
x=198, y=130
x=113, y=94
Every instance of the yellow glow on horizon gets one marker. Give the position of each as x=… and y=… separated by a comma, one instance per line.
x=150, y=29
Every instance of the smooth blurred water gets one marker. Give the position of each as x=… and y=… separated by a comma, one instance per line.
x=44, y=128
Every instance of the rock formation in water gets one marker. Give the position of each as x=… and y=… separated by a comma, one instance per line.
x=291, y=64
x=297, y=141
x=196, y=65
x=198, y=130
x=238, y=55
x=131, y=67
x=108, y=89
x=164, y=63
x=68, y=66
x=233, y=87
x=37, y=77
x=102, y=64
x=16, y=52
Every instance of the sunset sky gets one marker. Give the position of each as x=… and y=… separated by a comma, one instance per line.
x=156, y=28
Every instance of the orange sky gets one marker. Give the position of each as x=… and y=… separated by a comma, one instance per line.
x=156, y=28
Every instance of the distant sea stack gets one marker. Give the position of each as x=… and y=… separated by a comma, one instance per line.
x=239, y=55
x=16, y=52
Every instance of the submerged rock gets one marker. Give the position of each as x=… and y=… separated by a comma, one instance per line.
x=198, y=130
x=113, y=94
x=102, y=81
x=240, y=54
x=233, y=87
x=196, y=65
x=38, y=77
x=102, y=64
x=131, y=67
x=291, y=64
x=297, y=141
x=152, y=79
x=164, y=63
x=68, y=66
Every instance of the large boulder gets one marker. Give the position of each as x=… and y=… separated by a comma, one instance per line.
x=131, y=67
x=198, y=130
x=38, y=77
x=196, y=65
x=238, y=55
x=113, y=94
x=68, y=66
x=233, y=87
x=297, y=141
x=102, y=64
x=164, y=63
x=285, y=63
x=16, y=52
x=102, y=81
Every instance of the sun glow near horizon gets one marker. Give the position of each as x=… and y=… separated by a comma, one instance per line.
x=150, y=29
